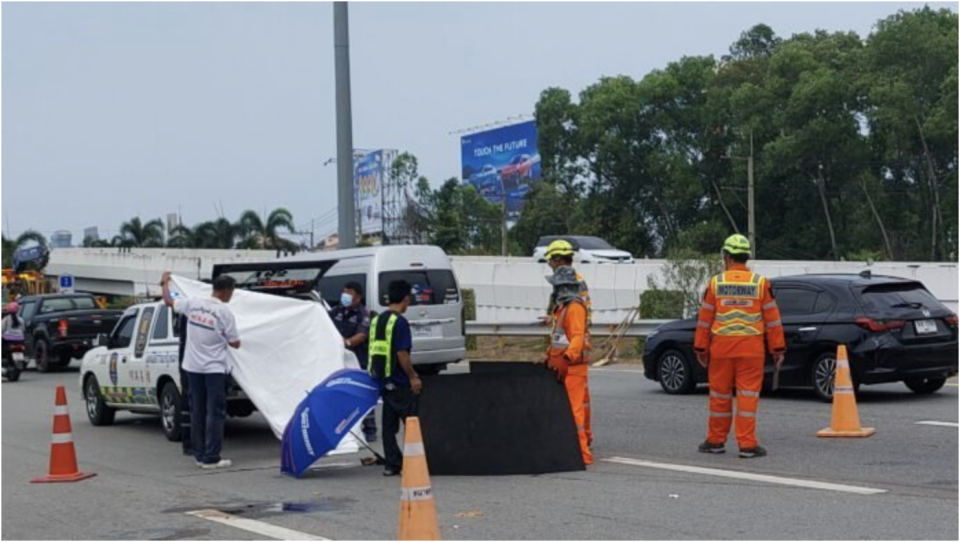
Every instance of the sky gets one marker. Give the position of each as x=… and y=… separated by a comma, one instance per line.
x=114, y=110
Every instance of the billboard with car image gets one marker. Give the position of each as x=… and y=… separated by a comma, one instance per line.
x=502, y=162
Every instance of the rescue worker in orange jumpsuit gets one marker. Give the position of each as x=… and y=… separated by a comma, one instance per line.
x=738, y=317
x=569, y=342
x=560, y=252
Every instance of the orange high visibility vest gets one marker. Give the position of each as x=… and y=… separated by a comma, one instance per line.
x=738, y=312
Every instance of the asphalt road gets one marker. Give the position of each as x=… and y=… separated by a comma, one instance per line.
x=144, y=487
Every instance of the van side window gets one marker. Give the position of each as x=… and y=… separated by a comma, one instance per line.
x=430, y=287
x=330, y=288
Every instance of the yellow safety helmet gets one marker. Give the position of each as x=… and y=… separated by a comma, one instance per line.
x=737, y=244
x=559, y=247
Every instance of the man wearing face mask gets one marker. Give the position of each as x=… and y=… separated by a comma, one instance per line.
x=570, y=338
x=352, y=320
x=561, y=253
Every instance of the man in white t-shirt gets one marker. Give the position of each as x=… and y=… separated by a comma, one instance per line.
x=212, y=328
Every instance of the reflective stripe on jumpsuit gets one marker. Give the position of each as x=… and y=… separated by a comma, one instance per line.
x=737, y=319
x=568, y=343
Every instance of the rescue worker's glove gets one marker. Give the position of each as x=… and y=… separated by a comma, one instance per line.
x=703, y=358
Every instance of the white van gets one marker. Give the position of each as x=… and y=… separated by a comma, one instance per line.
x=435, y=314
x=135, y=368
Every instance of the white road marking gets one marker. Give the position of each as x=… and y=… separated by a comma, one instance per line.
x=940, y=424
x=253, y=526
x=797, y=482
x=953, y=384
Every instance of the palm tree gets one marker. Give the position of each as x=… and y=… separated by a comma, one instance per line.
x=219, y=233
x=182, y=237
x=255, y=233
x=137, y=234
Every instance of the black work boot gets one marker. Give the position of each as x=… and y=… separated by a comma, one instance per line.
x=710, y=448
x=750, y=453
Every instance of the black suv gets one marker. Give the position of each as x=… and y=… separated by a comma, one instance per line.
x=894, y=329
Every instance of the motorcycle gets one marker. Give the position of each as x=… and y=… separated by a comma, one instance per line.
x=14, y=361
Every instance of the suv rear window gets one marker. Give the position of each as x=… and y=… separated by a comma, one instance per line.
x=430, y=287
x=908, y=295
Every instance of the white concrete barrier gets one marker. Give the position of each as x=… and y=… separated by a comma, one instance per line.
x=515, y=289
x=507, y=289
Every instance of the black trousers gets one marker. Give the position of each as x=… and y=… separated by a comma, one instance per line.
x=185, y=437
x=398, y=403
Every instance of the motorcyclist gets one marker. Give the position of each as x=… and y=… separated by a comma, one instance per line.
x=12, y=334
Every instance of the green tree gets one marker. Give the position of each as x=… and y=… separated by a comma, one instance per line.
x=910, y=66
x=183, y=236
x=219, y=233
x=135, y=233
x=545, y=212
x=256, y=233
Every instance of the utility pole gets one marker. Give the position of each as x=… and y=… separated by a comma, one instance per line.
x=311, y=234
x=341, y=46
x=751, y=217
x=503, y=219
x=503, y=228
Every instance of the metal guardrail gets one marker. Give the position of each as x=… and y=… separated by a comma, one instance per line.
x=640, y=328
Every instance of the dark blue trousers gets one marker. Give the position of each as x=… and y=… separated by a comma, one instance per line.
x=208, y=410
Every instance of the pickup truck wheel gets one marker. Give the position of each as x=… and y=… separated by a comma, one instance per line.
x=97, y=410
x=925, y=386
x=41, y=352
x=170, y=411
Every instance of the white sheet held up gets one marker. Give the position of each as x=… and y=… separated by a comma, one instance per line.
x=287, y=347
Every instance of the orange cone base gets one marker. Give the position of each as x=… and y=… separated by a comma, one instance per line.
x=53, y=479
x=861, y=433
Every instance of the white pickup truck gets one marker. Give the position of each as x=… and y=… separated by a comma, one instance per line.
x=135, y=368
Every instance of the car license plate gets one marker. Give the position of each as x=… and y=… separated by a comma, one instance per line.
x=925, y=327
x=17, y=356
x=425, y=331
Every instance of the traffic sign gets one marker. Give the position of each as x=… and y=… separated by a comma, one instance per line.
x=66, y=284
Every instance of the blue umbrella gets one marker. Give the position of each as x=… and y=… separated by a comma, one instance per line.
x=325, y=417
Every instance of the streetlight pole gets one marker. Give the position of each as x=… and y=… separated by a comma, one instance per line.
x=751, y=217
x=346, y=223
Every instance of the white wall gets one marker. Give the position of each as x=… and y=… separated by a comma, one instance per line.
x=515, y=289
x=507, y=289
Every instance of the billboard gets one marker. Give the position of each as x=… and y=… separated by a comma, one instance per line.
x=368, y=176
x=500, y=161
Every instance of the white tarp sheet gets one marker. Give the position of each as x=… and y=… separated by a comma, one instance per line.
x=287, y=347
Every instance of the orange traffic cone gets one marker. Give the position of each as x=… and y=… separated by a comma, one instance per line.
x=846, y=419
x=63, y=458
x=418, y=511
